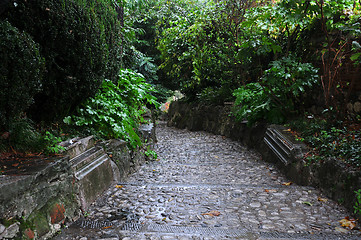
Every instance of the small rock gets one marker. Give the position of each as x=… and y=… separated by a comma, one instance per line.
x=349, y=107
x=83, y=238
x=357, y=107
x=169, y=238
x=255, y=204
x=12, y=231
x=57, y=227
x=2, y=228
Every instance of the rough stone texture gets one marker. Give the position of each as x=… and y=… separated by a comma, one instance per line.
x=40, y=199
x=208, y=187
x=57, y=213
x=357, y=107
x=11, y=231
x=336, y=179
x=57, y=192
x=29, y=234
x=77, y=146
x=21, y=195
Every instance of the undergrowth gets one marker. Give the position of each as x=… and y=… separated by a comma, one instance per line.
x=339, y=139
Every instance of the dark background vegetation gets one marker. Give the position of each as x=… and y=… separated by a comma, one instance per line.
x=286, y=61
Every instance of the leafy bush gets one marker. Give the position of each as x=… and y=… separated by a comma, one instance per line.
x=116, y=110
x=329, y=140
x=21, y=72
x=278, y=94
x=80, y=41
x=22, y=137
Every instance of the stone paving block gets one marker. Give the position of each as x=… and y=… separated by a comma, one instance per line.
x=209, y=187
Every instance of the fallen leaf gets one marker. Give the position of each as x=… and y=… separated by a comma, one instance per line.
x=322, y=199
x=307, y=203
x=270, y=190
x=15, y=164
x=348, y=222
x=287, y=183
x=212, y=213
x=110, y=155
x=119, y=186
x=107, y=227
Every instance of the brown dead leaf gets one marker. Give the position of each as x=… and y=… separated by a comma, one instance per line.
x=213, y=213
x=270, y=190
x=287, y=183
x=348, y=222
x=107, y=227
x=320, y=199
x=119, y=186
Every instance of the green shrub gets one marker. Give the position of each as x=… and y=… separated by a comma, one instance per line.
x=278, y=95
x=329, y=139
x=80, y=42
x=116, y=110
x=23, y=137
x=21, y=71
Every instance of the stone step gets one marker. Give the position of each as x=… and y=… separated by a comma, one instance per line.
x=91, y=166
x=86, y=158
x=76, y=146
x=93, y=171
x=135, y=230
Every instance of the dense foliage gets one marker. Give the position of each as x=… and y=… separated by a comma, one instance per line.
x=218, y=47
x=116, y=110
x=80, y=41
x=75, y=45
x=329, y=140
x=20, y=73
x=278, y=94
x=274, y=59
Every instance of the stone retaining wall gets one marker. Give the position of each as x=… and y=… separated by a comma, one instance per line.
x=37, y=204
x=336, y=180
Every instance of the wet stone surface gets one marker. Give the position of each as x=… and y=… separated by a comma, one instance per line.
x=208, y=187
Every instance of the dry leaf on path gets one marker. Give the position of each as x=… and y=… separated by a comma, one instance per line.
x=212, y=213
x=287, y=183
x=119, y=186
x=270, y=190
x=348, y=222
x=322, y=199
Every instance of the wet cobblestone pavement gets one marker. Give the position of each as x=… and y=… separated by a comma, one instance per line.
x=208, y=187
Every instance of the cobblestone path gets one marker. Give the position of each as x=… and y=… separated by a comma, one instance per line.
x=207, y=187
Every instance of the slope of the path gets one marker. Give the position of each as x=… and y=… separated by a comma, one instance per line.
x=208, y=187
